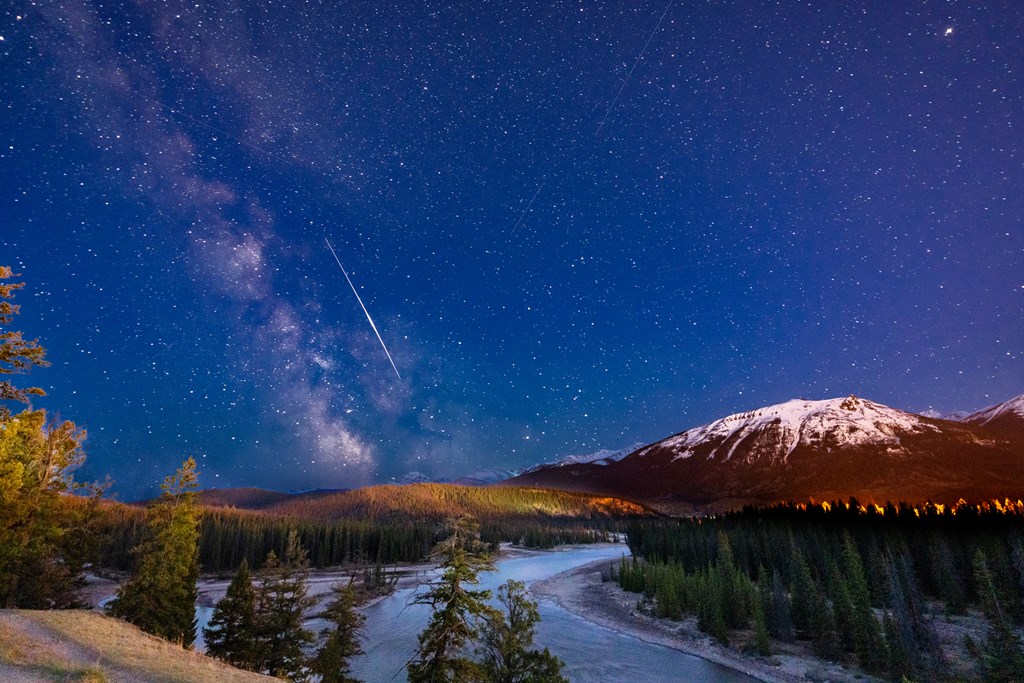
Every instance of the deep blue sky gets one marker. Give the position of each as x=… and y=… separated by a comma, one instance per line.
x=784, y=199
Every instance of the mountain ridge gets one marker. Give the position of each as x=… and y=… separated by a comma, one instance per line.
x=800, y=449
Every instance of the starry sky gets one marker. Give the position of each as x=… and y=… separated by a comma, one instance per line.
x=576, y=224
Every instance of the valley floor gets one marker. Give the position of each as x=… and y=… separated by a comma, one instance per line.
x=582, y=592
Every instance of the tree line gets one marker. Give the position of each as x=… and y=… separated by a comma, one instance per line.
x=229, y=536
x=856, y=582
x=259, y=624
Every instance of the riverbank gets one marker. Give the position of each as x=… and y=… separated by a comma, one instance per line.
x=582, y=592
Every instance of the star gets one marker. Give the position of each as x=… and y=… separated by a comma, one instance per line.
x=590, y=229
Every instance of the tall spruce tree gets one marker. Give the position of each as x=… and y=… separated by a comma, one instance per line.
x=762, y=641
x=804, y=592
x=868, y=643
x=231, y=635
x=776, y=605
x=341, y=642
x=459, y=610
x=1002, y=653
x=842, y=605
x=161, y=597
x=282, y=600
x=507, y=643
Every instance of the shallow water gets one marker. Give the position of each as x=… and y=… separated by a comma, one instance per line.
x=590, y=652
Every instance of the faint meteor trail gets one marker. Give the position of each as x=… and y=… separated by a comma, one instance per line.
x=638, y=58
x=360, y=300
x=527, y=209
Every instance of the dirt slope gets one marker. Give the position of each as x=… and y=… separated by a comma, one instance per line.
x=87, y=647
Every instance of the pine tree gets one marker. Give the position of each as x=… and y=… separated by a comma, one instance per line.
x=868, y=641
x=842, y=606
x=710, y=609
x=35, y=457
x=762, y=642
x=899, y=659
x=911, y=640
x=946, y=577
x=776, y=606
x=458, y=609
x=342, y=638
x=282, y=601
x=38, y=569
x=17, y=356
x=507, y=644
x=803, y=596
x=1002, y=654
x=231, y=635
x=161, y=597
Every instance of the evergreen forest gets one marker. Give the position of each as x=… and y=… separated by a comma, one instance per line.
x=859, y=583
x=379, y=525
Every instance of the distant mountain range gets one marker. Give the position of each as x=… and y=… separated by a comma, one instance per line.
x=801, y=449
x=493, y=475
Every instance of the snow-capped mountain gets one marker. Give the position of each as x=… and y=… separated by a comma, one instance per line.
x=1007, y=416
x=776, y=431
x=802, y=449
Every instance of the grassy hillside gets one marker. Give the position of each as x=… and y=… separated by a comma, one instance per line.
x=435, y=501
x=86, y=647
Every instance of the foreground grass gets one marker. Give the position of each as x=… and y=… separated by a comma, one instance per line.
x=86, y=647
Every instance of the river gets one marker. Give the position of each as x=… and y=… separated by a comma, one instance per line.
x=590, y=652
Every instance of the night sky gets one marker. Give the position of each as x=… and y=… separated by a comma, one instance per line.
x=576, y=225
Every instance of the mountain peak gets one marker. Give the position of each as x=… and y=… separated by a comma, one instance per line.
x=777, y=430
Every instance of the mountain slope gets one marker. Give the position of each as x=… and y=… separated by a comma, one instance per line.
x=808, y=449
x=1007, y=416
x=438, y=501
x=601, y=457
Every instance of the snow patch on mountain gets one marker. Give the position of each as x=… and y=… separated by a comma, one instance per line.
x=413, y=478
x=604, y=456
x=491, y=475
x=601, y=457
x=777, y=430
x=1015, y=406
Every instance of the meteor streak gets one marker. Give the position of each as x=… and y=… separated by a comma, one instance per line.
x=527, y=209
x=638, y=58
x=361, y=304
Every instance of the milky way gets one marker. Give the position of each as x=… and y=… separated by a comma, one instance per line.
x=577, y=225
